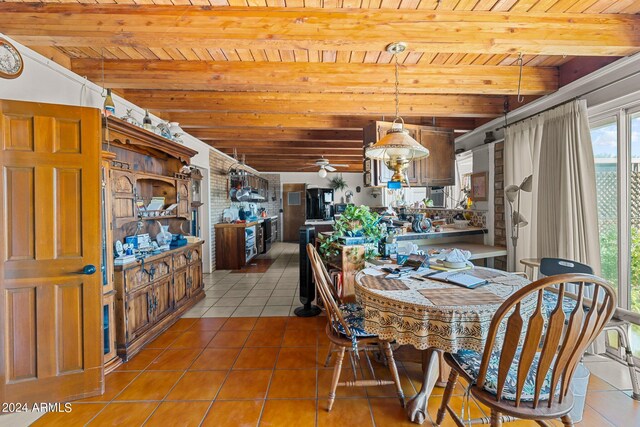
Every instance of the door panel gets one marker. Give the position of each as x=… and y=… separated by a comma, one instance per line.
x=180, y=289
x=50, y=223
x=21, y=329
x=162, y=301
x=139, y=312
x=195, y=278
x=294, y=207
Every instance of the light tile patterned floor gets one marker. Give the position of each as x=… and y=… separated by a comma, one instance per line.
x=274, y=293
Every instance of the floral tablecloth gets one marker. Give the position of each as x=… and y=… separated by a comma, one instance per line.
x=408, y=317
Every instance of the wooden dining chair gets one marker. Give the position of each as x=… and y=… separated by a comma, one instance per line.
x=345, y=330
x=618, y=323
x=528, y=362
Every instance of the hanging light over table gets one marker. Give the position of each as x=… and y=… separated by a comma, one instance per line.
x=397, y=149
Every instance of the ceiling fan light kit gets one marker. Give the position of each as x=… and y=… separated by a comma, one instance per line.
x=397, y=149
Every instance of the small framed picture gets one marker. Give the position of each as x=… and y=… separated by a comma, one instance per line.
x=479, y=183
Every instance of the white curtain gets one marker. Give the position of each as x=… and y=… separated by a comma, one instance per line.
x=567, y=188
x=521, y=152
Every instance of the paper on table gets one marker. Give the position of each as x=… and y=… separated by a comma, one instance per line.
x=372, y=272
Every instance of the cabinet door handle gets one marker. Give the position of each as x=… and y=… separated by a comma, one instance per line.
x=152, y=271
x=155, y=302
x=149, y=305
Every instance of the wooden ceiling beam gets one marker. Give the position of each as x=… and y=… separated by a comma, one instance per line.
x=242, y=125
x=316, y=77
x=282, y=134
x=442, y=105
x=433, y=31
x=286, y=145
x=274, y=153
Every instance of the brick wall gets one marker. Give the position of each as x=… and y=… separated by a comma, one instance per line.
x=499, y=217
x=219, y=165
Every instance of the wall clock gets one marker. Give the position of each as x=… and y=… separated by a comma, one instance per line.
x=11, y=64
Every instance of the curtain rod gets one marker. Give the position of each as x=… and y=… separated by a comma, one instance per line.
x=572, y=99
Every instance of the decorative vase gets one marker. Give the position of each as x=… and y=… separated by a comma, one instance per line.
x=164, y=237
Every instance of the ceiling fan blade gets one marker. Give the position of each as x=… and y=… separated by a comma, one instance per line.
x=340, y=166
x=330, y=168
x=308, y=167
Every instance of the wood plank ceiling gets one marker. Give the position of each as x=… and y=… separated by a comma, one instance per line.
x=287, y=81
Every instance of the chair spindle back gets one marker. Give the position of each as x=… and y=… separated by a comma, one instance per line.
x=323, y=285
x=562, y=346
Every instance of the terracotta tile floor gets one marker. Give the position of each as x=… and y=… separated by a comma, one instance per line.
x=267, y=371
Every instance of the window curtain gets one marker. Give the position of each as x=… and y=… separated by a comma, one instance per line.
x=567, y=203
x=521, y=152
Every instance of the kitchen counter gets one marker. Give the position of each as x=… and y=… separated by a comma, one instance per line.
x=447, y=231
x=237, y=225
x=319, y=222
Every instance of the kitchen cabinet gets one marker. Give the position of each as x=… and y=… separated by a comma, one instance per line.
x=231, y=247
x=436, y=170
x=151, y=295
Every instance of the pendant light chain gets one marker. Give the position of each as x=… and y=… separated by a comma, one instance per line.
x=397, y=88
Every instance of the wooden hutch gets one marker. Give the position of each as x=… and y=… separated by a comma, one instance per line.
x=143, y=298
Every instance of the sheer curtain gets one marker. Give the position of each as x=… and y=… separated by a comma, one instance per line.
x=567, y=188
x=521, y=152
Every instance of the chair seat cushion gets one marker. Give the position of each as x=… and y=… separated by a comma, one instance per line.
x=470, y=361
x=550, y=300
x=353, y=315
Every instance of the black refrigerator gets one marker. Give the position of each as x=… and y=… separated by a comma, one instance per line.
x=319, y=203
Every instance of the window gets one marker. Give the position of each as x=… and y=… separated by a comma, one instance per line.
x=604, y=137
x=616, y=149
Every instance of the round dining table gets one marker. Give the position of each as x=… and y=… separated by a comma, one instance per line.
x=434, y=316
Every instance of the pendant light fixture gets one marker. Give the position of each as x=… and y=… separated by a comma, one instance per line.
x=397, y=149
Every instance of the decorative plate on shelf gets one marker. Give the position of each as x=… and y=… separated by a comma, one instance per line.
x=11, y=64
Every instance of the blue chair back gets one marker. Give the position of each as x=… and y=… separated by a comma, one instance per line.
x=554, y=266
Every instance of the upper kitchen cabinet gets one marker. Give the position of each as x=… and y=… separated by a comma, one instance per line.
x=436, y=170
x=439, y=168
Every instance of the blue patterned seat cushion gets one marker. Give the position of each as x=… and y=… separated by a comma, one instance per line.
x=354, y=317
x=550, y=300
x=470, y=361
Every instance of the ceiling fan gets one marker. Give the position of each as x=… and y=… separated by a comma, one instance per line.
x=324, y=166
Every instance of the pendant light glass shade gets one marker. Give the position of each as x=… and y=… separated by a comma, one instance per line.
x=397, y=143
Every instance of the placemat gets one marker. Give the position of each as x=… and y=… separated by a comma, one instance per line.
x=460, y=296
x=381, y=284
x=484, y=273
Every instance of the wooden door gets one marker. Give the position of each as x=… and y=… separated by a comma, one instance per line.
x=139, y=314
x=162, y=299
x=195, y=278
x=51, y=316
x=294, y=205
x=180, y=289
x=439, y=168
x=184, y=201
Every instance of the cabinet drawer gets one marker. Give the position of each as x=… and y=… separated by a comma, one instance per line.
x=143, y=274
x=180, y=260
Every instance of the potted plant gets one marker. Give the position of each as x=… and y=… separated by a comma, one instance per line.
x=357, y=226
x=337, y=183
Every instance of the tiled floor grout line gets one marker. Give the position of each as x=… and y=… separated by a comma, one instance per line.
x=221, y=384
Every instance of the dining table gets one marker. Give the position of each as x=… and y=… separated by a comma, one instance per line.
x=434, y=317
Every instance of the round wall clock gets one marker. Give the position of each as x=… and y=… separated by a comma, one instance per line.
x=11, y=64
